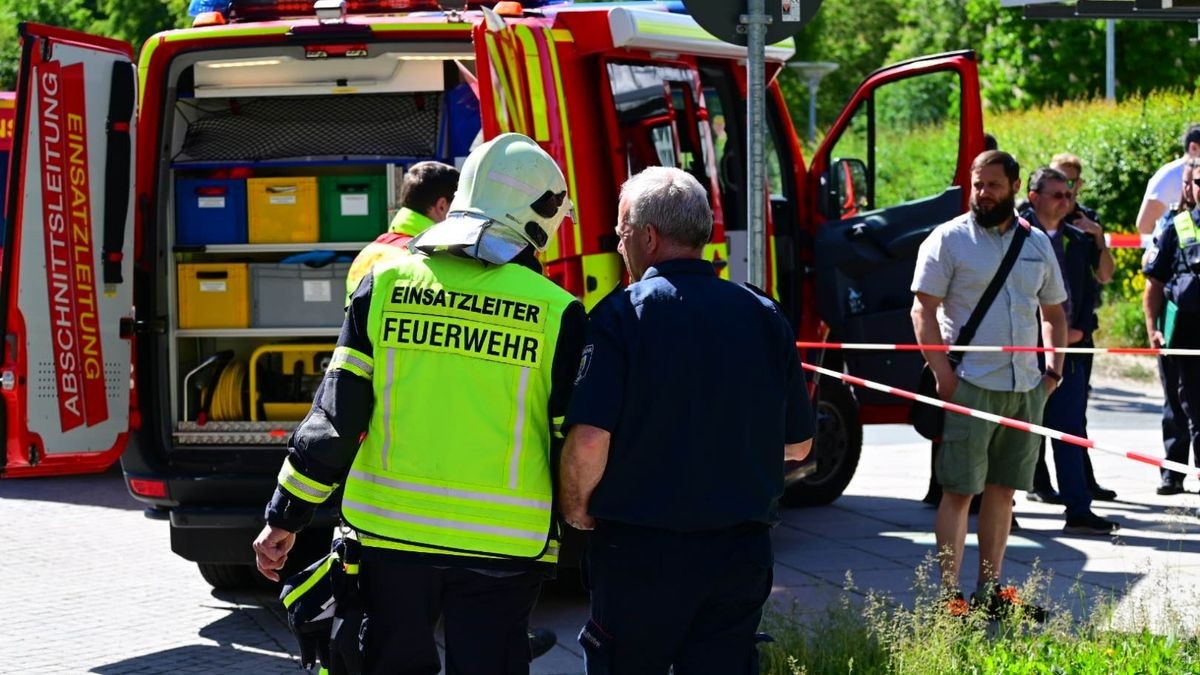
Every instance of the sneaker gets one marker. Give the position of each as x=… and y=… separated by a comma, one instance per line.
x=1103, y=494
x=541, y=640
x=957, y=606
x=1003, y=601
x=1090, y=523
x=1044, y=496
x=1170, y=488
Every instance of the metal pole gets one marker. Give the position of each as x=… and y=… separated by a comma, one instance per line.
x=755, y=20
x=813, y=83
x=1110, y=59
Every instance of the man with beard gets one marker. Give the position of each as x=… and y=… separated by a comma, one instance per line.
x=1050, y=202
x=1171, y=269
x=956, y=263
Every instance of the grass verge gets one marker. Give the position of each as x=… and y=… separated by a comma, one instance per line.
x=878, y=635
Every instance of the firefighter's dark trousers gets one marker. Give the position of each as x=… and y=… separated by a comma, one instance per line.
x=660, y=598
x=486, y=618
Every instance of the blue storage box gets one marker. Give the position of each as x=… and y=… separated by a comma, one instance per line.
x=210, y=211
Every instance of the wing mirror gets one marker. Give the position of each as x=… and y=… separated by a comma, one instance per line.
x=845, y=188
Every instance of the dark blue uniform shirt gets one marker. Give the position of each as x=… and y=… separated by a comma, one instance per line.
x=1167, y=263
x=698, y=381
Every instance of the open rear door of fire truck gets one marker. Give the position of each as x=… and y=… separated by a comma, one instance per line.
x=66, y=285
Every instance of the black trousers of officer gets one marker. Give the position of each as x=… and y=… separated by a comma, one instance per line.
x=486, y=618
x=663, y=599
x=1176, y=436
x=1041, y=473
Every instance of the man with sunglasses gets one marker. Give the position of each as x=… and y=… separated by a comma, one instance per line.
x=1087, y=293
x=1171, y=303
x=1050, y=201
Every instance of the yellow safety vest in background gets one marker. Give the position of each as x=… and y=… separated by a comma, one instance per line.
x=405, y=225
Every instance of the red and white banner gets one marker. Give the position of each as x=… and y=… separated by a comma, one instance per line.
x=70, y=258
x=1006, y=421
x=888, y=347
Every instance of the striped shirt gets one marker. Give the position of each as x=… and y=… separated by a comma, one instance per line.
x=956, y=263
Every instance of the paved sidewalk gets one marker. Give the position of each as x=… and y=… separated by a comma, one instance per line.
x=91, y=586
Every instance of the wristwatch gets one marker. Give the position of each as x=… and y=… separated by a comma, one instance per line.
x=1052, y=375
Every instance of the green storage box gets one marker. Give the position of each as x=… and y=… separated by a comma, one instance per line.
x=353, y=208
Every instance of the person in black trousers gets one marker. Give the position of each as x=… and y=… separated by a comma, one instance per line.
x=678, y=477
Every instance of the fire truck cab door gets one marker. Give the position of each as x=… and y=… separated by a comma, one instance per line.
x=66, y=285
x=895, y=164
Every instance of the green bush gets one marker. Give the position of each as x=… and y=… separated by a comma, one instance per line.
x=1121, y=146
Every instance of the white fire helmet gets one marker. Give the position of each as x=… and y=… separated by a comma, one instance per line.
x=511, y=194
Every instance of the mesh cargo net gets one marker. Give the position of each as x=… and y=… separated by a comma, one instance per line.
x=388, y=125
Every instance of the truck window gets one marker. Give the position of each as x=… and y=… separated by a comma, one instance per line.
x=662, y=119
x=907, y=136
x=724, y=118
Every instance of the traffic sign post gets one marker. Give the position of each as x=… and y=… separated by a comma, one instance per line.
x=762, y=22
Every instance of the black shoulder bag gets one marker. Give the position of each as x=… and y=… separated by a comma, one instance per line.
x=929, y=420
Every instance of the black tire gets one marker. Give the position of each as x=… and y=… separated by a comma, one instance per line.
x=227, y=576
x=837, y=447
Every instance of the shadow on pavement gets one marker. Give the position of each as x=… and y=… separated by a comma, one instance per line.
x=102, y=489
x=882, y=541
x=1108, y=400
x=247, y=641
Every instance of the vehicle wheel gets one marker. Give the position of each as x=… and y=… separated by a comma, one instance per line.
x=837, y=447
x=226, y=576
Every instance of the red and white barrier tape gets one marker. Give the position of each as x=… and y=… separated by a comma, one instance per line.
x=1006, y=421
x=1124, y=240
x=887, y=347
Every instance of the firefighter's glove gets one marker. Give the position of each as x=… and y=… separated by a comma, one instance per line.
x=326, y=594
x=308, y=598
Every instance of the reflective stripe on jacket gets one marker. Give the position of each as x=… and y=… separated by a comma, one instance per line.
x=457, y=453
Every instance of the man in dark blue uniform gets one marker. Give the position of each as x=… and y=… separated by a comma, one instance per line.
x=1173, y=273
x=1050, y=200
x=688, y=400
x=1102, y=266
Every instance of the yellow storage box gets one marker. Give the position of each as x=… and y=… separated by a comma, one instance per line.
x=214, y=295
x=282, y=210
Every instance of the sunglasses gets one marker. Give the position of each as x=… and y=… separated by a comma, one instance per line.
x=1074, y=183
x=1056, y=195
x=1196, y=181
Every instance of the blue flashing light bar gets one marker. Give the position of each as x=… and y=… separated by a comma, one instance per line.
x=198, y=7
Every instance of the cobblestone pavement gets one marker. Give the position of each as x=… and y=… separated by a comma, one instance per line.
x=91, y=586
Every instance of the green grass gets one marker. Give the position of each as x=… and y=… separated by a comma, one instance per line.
x=878, y=636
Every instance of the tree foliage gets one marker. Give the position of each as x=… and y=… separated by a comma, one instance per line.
x=129, y=20
x=1022, y=63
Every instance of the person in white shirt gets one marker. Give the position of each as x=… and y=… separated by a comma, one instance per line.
x=1163, y=189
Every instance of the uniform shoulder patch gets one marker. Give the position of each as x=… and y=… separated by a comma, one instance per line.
x=585, y=363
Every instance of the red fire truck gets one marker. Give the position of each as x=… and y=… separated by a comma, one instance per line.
x=153, y=304
x=8, y=110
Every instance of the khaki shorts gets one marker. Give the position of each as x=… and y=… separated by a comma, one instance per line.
x=976, y=452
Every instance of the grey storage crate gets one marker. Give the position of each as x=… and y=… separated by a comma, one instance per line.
x=286, y=295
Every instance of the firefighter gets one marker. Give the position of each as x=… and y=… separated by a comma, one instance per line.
x=456, y=362
x=425, y=195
